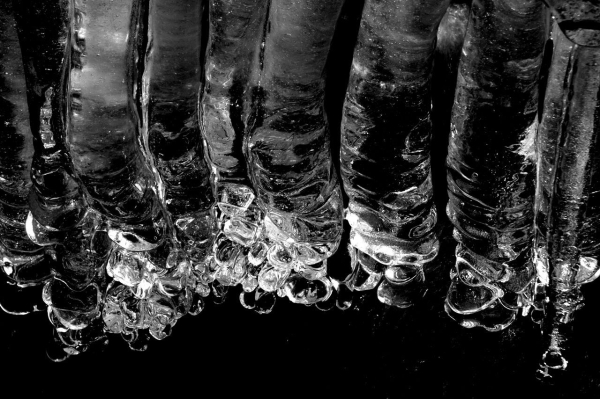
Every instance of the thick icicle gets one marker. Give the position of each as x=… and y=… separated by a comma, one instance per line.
x=288, y=152
x=24, y=262
x=235, y=34
x=236, y=28
x=567, y=210
x=105, y=121
x=110, y=155
x=491, y=159
x=450, y=39
x=59, y=215
x=173, y=72
x=386, y=131
x=578, y=19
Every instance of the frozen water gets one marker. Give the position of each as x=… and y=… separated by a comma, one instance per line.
x=566, y=211
x=24, y=262
x=386, y=129
x=491, y=162
x=263, y=122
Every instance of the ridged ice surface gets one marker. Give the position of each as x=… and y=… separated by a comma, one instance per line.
x=174, y=73
x=491, y=159
x=386, y=132
x=108, y=141
x=23, y=262
x=288, y=145
x=105, y=119
x=235, y=34
x=263, y=119
x=567, y=214
x=288, y=152
x=59, y=218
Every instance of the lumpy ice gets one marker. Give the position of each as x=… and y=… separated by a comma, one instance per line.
x=386, y=131
x=567, y=213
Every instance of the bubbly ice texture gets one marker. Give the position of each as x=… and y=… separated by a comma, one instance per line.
x=567, y=198
x=287, y=143
x=235, y=33
x=386, y=131
x=491, y=160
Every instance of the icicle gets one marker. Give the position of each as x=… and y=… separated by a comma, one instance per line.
x=567, y=194
x=24, y=262
x=59, y=217
x=287, y=147
x=386, y=130
x=491, y=160
x=172, y=79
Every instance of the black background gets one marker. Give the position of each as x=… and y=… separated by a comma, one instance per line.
x=371, y=350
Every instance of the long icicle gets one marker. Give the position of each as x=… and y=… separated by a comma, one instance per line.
x=385, y=160
x=567, y=216
x=59, y=215
x=24, y=262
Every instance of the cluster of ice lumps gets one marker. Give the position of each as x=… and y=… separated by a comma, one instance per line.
x=251, y=251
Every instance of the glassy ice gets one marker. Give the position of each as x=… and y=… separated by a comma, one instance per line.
x=386, y=131
x=491, y=160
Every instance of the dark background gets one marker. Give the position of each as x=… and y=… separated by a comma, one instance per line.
x=371, y=350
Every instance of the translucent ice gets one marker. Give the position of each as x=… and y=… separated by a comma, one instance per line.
x=567, y=225
x=386, y=129
x=491, y=160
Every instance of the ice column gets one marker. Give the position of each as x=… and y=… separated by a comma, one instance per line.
x=108, y=145
x=236, y=30
x=567, y=198
x=288, y=152
x=24, y=262
x=235, y=34
x=385, y=159
x=59, y=217
x=491, y=160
